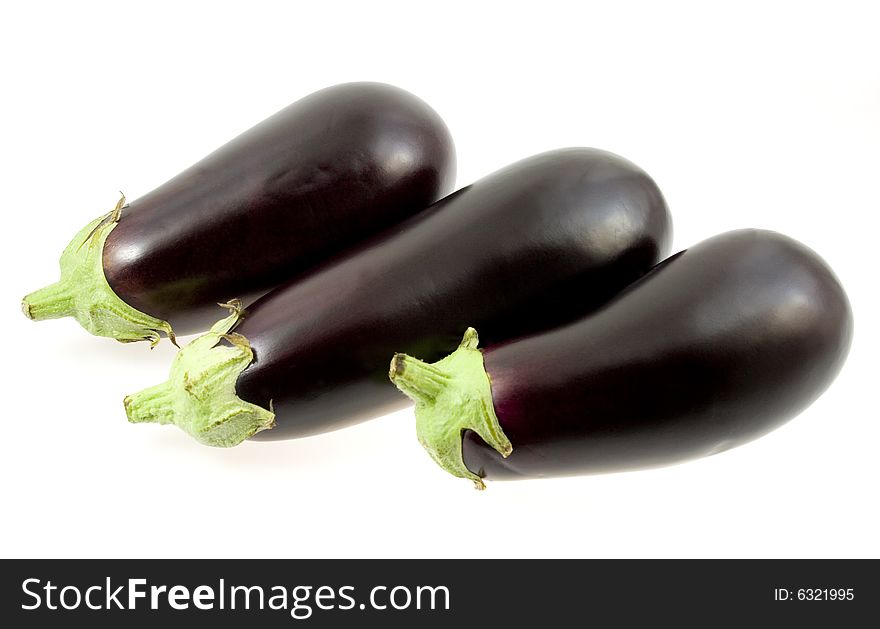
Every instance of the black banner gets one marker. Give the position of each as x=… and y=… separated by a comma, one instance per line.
x=319, y=593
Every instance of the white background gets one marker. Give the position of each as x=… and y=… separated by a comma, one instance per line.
x=764, y=115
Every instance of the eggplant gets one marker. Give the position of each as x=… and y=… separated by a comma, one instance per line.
x=533, y=244
x=324, y=173
x=713, y=348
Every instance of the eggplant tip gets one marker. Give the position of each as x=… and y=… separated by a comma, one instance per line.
x=398, y=364
x=126, y=403
x=26, y=309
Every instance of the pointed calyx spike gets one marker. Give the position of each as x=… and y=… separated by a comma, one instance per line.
x=83, y=291
x=451, y=396
x=199, y=396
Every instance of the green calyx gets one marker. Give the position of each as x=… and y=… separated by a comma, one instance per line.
x=199, y=395
x=84, y=294
x=452, y=395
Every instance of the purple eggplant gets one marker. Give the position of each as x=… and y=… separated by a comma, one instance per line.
x=324, y=173
x=532, y=245
x=713, y=348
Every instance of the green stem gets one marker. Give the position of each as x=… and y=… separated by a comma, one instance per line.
x=84, y=294
x=153, y=405
x=199, y=396
x=451, y=396
x=52, y=302
x=420, y=381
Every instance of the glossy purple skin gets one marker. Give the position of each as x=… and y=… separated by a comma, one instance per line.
x=538, y=242
x=322, y=174
x=715, y=347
